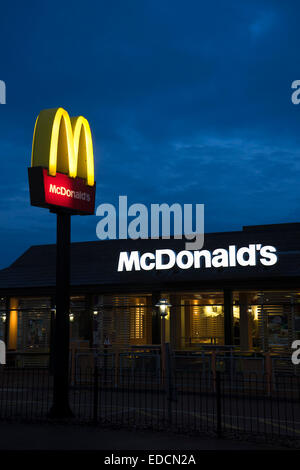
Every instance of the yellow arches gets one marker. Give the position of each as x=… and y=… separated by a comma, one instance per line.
x=64, y=144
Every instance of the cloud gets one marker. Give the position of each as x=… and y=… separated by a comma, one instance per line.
x=185, y=104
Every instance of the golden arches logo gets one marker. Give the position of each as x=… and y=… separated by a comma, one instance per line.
x=63, y=144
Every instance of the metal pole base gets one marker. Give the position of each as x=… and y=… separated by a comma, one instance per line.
x=60, y=407
x=60, y=412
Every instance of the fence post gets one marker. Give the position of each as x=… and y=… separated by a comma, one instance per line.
x=96, y=395
x=169, y=380
x=116, y=366
x=213, y=368
x=73, y=358
x=163, y=363
x=268, y=370
x=105, y=353
x=219, y=403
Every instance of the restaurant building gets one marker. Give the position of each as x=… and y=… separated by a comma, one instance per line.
x=241, y=291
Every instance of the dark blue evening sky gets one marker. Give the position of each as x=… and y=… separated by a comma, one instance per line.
x=188, y=101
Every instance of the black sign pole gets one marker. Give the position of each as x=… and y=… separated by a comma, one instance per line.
x=61, y=407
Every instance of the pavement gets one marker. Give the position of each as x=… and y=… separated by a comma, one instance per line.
x=55, y=436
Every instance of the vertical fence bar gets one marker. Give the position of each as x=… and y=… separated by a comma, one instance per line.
x=219, y=406
x=292, y=407
x=168, y=382
x=1, y=389
x=128, y=395
x=122, y=385
x=96, y=395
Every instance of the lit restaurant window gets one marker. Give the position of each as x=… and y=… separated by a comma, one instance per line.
x=137, y=321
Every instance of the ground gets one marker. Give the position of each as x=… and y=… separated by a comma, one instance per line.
x=53, y=436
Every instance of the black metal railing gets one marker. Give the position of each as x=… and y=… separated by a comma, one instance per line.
x=24, y=393
x=184, y=400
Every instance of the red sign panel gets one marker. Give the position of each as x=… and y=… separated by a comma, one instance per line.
x=60, y=191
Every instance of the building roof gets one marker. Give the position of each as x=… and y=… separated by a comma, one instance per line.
x=95, y=263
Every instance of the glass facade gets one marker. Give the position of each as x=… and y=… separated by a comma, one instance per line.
x=261, y=321
x=33, y=324
x=199, y=318
x=270, y=318
x=123, y=320
x=79, y=317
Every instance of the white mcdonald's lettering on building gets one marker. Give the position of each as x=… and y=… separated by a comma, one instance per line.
x=250, y=255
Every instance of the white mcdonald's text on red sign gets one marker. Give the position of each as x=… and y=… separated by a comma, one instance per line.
x=62, y=191
x=72, y=193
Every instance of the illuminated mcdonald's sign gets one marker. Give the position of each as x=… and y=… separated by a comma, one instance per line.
x=62, y=163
